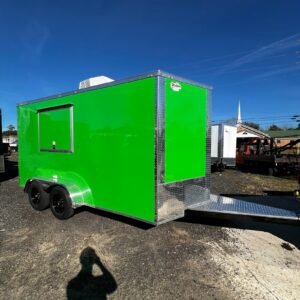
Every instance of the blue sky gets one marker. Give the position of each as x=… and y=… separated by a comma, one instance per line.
x=247, y=50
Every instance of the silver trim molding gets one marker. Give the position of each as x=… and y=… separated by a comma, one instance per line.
x=117, y=82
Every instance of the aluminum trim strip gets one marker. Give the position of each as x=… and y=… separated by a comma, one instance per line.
x=208, y=139
x=39, y=135
x=160, y=129
x=155, y=149
x=117, y=82
x=72, y=128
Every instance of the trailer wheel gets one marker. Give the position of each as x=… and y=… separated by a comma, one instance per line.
x=60, y=203
x=38, y=197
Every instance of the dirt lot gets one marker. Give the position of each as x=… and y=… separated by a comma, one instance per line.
x=236, y=182
x=97, y=255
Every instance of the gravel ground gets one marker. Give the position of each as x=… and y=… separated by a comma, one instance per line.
x=237, y=182
x=96, y=255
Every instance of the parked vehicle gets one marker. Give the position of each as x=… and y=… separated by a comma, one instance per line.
x=14, y=146
x=265, y=156
x=223, y=146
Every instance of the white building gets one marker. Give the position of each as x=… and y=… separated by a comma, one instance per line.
x=9, y=137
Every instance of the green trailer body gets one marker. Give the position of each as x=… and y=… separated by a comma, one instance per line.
x=134, y=147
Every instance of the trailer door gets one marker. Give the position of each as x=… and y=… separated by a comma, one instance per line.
x=229, y=141
x=214, y=152
x=185, y=131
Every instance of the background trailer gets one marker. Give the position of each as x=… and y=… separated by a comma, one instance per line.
x=138, y=147
x=133, y=147
x=223, y=145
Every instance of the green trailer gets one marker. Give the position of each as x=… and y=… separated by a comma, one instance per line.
x=138, y=147
x=130, y=147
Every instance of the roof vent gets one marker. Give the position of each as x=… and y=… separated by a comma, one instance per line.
x=94, y=81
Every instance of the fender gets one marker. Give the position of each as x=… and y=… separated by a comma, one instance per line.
x=77, y=187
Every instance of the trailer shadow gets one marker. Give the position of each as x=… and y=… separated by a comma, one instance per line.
x=87, y=286
x=11, y=170
x=285, y=230
x=114, y=216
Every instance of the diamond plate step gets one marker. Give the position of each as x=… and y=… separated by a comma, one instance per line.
x=275, y=207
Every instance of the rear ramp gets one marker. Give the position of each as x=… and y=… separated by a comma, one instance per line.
x=273, y=207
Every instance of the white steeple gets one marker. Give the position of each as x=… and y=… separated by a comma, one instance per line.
x=239, y=118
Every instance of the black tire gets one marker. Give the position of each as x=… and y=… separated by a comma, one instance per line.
x=60, y=203
x=221, y=167
x=37, y=196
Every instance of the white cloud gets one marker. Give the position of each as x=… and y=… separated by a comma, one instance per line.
x=278, y=47
x=35, y=38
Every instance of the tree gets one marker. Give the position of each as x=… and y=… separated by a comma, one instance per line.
x=11, y=127
x=274, y=127
x=298, y=126
x=253, y=125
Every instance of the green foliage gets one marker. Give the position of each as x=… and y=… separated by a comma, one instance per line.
x=11, y=127
x=274, y=127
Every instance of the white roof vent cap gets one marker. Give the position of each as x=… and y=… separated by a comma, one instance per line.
x=94, y=81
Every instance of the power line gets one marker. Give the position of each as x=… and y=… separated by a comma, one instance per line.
x=290, y=118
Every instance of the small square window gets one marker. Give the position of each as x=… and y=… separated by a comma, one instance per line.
x=55, y=126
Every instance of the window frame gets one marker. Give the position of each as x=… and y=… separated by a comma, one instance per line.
x=54, y=108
